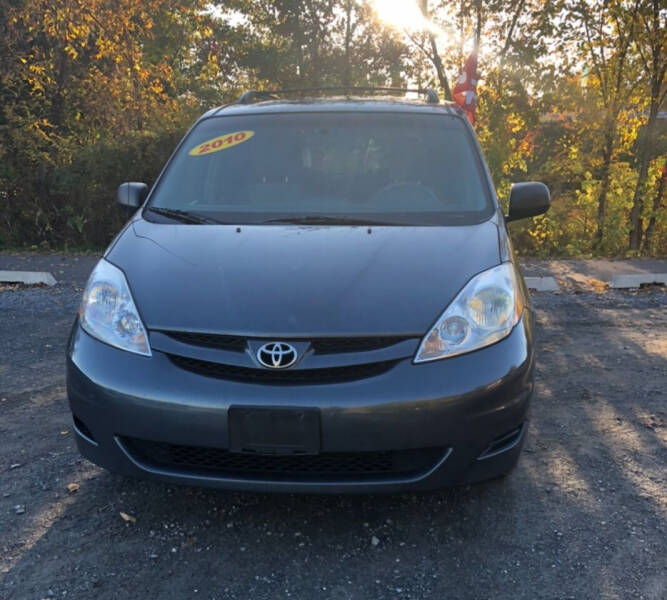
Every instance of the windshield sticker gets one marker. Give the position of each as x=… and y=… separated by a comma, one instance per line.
x=222, y=143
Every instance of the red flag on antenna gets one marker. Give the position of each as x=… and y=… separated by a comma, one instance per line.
x=465, y=91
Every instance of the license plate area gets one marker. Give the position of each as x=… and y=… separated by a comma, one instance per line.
x=274, y=430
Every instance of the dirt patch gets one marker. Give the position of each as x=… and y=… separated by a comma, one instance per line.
x=17, y=287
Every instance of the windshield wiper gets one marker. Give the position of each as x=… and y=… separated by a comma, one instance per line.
x=182, y=216
x=326, y=220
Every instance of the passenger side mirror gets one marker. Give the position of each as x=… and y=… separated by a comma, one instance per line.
x=131, y=194
x=528, y=199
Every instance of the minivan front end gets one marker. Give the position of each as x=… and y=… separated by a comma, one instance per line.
x=313, y=298
x=383, y=423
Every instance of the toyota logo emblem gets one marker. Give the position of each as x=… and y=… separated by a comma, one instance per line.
x=277, y=355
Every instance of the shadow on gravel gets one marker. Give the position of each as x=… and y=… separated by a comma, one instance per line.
x=601, y=440
x=583, y=516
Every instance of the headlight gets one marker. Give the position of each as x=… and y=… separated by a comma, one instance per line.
x=108, y=312
x=485, y=311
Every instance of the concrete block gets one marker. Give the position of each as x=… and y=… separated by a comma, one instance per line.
x=636, y=280
x=542, y=284
x=27, y=277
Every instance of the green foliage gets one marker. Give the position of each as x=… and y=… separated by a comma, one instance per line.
x=98, y=92
x=80, y=210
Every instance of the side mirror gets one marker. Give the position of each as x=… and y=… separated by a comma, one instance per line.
x=528, y=199
x=131, y=194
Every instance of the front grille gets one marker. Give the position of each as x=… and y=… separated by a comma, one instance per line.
x=335, y=345
x=285, y=377
x=338, y=465
x=232, y=343
x=326, y=345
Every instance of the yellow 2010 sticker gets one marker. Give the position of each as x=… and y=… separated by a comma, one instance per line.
x=222, y=142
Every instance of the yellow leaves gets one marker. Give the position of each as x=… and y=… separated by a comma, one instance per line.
x=539, y=235
x=39, y=127
x=71, y=52
x=540, y=231
x=515, y=122
x=104, y=48
x=156, y=87
x=37, y=69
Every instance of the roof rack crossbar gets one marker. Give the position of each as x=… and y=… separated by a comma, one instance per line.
x=252, y=95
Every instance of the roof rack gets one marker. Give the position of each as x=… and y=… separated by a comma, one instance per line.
x=252, y=95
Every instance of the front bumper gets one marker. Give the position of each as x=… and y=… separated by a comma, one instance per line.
x=461, y=405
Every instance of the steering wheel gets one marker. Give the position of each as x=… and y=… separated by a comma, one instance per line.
x=406, y=187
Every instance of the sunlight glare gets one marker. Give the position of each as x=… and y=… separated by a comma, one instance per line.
x=402, y=14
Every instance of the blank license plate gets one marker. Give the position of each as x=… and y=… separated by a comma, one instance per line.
x=260, y=430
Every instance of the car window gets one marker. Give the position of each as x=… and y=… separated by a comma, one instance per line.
x=393, y=168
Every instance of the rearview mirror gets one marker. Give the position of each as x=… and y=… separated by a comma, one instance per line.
x=131, y=194
x=528, y=199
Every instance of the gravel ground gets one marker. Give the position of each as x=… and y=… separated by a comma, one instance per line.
x=583, y=516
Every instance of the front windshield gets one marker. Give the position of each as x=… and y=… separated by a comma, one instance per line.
x=375, y=168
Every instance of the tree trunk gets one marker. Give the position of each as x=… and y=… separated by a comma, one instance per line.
x=613, y=104
x=610, y=137
x=314, y=43
x=657, y=203
x=298, y=41
x=348, y=41
x=657, y=75
x=435, y=56
x=57, y=115
x=510, y=33
x=644, y=158
x=439, y=69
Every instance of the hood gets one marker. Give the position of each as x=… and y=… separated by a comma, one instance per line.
x=297, y=281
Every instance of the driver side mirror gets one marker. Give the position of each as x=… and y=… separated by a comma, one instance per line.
x=131, y=194
x=528, y=199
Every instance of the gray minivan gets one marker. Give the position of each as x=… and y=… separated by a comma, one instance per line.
x=317, y=295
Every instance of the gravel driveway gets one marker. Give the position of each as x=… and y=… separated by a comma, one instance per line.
x=583, y=516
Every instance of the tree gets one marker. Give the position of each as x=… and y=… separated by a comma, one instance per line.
x=608, y=28
x=657, y=205
x=571, y=92
x=433, y=55
x=651, y=47
x=314, y=43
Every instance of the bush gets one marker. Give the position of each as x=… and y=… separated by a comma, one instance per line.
x=70, y=203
